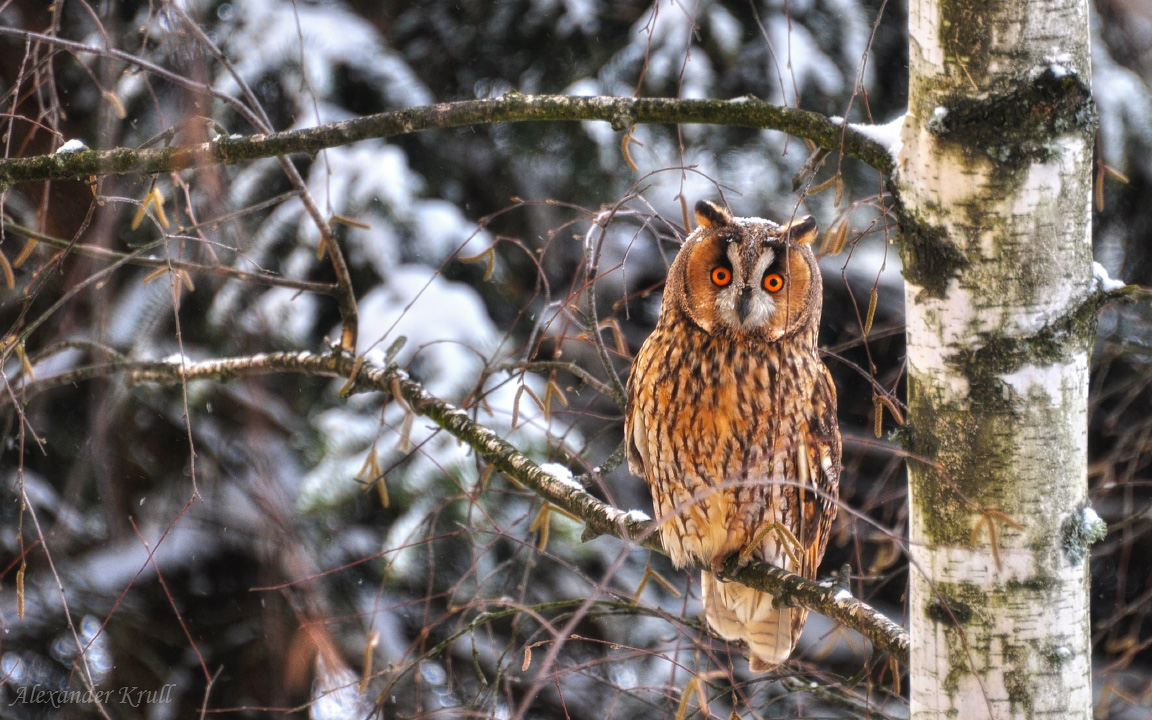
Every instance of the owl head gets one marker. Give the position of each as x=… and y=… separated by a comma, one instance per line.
x=747, y=277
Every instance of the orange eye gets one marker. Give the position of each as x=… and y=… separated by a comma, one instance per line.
x=721, y=276
x=773, y=282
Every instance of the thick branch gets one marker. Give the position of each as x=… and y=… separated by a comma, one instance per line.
x=514, y=107
x=599, y=518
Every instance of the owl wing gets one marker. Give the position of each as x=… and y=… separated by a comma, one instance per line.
x=635, y=427
x=636, y=442
x=820, y=463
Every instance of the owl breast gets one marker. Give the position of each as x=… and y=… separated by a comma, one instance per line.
x=723, y=430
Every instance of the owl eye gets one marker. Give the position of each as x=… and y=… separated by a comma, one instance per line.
x=773, y=282
x=721, y=276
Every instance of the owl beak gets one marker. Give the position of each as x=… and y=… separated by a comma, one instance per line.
x=742, y=304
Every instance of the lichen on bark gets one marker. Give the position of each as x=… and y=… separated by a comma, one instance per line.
x=1014, y=124
x=995, y=173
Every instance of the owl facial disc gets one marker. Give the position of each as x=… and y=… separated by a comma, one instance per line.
x=743, y=304
x=747, y=277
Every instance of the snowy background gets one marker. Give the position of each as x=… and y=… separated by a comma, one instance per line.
x=346, y=527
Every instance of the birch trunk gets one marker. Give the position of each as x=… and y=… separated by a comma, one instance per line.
x=995, y=178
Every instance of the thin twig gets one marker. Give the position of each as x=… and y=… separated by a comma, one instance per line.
x=543, y=366
x=345, y=295
x=603, y=219
x=262, y=278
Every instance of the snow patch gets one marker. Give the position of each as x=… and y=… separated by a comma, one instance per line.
x=808, y=65
x=725, y=29
x=336, y=693
x=1125, y=109
x=1106, y=281
x=54, y=364
x=1089, y=518
x=887, y=135
x=586, y=87
x=72, y=146
x=285, y=312
x=404, y=538
x=660, y=38
x=1058, y=65
x=842, y=595
x=446, y=323
x=637, y=516
x=939, y=115
x=579, y=14
x=442, y=229
x=376, y=357
x=561, y=474
x=335, y=39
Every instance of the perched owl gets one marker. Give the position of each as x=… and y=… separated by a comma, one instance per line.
x=732, y=418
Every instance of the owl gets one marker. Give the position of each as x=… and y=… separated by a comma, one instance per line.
x=731, y=418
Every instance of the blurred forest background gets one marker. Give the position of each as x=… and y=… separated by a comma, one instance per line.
x=216, y=539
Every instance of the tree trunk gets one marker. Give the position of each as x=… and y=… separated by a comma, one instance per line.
x=995, y=181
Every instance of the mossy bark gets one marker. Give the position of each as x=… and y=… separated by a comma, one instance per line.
x=995, y=181
x=621, y=112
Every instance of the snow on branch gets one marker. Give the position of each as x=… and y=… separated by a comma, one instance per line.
x=621, y=112
x=1107, y=282
x=552, y=483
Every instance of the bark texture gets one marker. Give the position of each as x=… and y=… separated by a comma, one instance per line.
x=994, y=174
x=622, y=113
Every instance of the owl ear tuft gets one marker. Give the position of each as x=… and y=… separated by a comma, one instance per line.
x=710, y=215
x=802, y=231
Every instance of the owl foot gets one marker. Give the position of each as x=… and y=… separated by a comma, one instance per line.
x=785, y=541
x=727, y=566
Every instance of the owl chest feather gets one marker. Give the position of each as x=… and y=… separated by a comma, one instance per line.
x=724, y=423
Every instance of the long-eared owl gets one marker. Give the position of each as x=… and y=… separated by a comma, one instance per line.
x=732, y=418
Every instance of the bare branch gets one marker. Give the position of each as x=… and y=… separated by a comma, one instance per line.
x=599, y=518
x=514, y=107
x=263, y=278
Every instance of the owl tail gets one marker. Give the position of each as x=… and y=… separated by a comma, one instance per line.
x=737, y=612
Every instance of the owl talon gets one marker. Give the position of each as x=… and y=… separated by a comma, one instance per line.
x=724, y=569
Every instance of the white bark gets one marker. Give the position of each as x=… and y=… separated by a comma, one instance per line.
x=997, y=251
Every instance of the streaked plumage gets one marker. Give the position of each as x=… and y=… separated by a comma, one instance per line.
x=732, y=418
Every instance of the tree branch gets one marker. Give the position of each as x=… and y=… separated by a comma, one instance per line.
x=513, y=107
x=599, y=518
x=94, y=251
